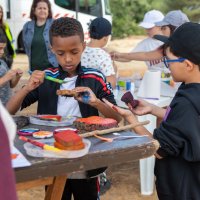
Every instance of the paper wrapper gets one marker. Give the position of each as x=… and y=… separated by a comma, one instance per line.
x=150, y=85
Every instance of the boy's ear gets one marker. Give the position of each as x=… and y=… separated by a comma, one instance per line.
x=190, y=65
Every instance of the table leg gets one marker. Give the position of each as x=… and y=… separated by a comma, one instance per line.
x=147, y=175
x=147, y=164
x=55, y=190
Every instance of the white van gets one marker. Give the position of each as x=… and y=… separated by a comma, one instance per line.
x=17, y=13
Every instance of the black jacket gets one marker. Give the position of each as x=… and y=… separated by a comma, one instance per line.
x=47, y=99
x=178, y=173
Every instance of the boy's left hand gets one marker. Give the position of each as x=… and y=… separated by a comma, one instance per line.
x=125, y=113
x=19, y=72
x=86, y=95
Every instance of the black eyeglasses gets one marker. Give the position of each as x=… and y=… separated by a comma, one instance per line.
x=167, y=61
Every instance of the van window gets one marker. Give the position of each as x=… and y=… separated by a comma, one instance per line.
x=107, y=7
x=90, y=7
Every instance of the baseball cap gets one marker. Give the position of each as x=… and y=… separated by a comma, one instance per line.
x=100, y=27
x=185, y=41
x=174, y=18
x=150, y=18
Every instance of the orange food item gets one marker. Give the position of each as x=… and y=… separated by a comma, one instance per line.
x=68, y=140
x=94, y=123
x=42, y=134
x=14, y=156
x=51, y=117
x=68, y=93
x=73, y=147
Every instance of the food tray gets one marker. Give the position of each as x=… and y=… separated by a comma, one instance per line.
x=66, y=121
x=35, y=151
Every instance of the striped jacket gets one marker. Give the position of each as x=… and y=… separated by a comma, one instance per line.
x=47, y=99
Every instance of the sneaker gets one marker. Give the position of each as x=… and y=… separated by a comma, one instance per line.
x=105, y=184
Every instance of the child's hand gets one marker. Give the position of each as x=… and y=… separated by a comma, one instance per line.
x=113, y=55
x=10, y=75
x=36, y=79
x=143, y=108
x=19, y=73
x=123, y=112
x=16, y=78
x=85, y=95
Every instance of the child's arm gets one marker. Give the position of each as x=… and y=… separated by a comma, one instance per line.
x=140, y=56
x=7, y=77
x=144, y=108
x=15, y=80
x=15, y=102
x=97, y=103
x=131, y=119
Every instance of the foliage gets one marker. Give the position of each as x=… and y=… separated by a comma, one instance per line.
x=128, y=13
x=190, y=8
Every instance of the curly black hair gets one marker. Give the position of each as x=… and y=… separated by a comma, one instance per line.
x=65, y=27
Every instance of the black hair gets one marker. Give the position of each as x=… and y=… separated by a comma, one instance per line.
x=173, y=52
x=66, y=27
x=3, y=38
x=34, y=5
x=172, y=28
x=165, y=46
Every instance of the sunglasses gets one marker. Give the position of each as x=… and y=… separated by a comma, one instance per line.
x=167, y=61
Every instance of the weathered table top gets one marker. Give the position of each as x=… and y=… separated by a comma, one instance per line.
x=101, y=154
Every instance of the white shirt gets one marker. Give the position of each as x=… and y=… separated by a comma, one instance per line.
x=150, y=44
x=99, y=59
x=9, y=124
x=68, y=106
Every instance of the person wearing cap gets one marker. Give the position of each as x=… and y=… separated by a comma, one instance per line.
x=170, y=22
x=177, y=167
x=149, y=44
x=94, y=56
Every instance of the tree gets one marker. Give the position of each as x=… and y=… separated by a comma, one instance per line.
x=128, y=13
x=191, y=8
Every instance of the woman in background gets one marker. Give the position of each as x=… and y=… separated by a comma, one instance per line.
x=36, y=36
x=9, y=49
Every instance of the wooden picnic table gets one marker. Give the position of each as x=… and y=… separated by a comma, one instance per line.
x=53, y=171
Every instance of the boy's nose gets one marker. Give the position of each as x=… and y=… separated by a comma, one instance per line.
x=68, y=59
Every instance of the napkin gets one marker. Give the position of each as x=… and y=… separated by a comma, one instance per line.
x=150, y=85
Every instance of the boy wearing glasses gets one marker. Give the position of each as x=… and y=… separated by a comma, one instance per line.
x=177, y=167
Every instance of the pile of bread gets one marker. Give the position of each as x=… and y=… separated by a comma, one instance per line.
x=71, y=140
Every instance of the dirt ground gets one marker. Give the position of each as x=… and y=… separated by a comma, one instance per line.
x=124, y=177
